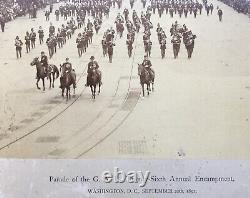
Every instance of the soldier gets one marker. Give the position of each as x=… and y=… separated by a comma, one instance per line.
x=126, y=13
x=220, y=13
x=67, y=67
x=92, y=65
x=44, y=61
x=129, y=43
x=18, y=44
x=195, y=12
x=185, y=12
x=104, y=46
x=176, y=44
x=33, y=38
x=51, y=29
x=207, y=9
x=132, y=3
x=27, y=42
x=163, y=47
x=171, y=12
x=51, y=8
x=146, y=63
x=79, y=44
x=47, y=13
x=41, y=34
x=57, y=13
x=110, y=47
x=211, y=8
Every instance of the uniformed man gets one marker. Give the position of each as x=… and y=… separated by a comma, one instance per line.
x=92, y=65
x=176, y=44
x=51, y=29
x=41, y=34
x=67, y=67
x=44, y=61
x=220, y=13
x=27, y=42
x=146, y=63
x=33, y=38
x=18, y=44
x=57, y=13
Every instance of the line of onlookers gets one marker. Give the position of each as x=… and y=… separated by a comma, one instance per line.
x=9, y=9
x=241, y=6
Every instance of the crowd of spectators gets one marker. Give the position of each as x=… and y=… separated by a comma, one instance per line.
x=10, y=9
x=241, y=6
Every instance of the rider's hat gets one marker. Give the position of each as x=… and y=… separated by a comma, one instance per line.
x=92, y=58
x=67, y=59
x=42, y=52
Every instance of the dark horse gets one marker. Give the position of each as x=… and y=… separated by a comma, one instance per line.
x=94, y=80
x=146, y=78
x=42, y=73
x=67, y=81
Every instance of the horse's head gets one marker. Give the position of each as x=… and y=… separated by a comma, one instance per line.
x=35, y=61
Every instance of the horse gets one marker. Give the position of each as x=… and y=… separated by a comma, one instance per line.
x=41, y=72
x=94, y=80
x=146, y=78
x=67, y=81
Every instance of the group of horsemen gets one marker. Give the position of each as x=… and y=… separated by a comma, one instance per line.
x=67, y=69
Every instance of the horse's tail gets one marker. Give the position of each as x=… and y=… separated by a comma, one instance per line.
x=56, y=71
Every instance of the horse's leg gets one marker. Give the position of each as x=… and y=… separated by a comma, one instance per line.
x=153, y=84
x=38, y=79
x=148, y=88
x=67, y=97
x=94, y=90
x=53, y=76
x=99, y=88
x=91, y=91
x=62, y=92
x=142, y=85
x=50, y=81
x=43, y=84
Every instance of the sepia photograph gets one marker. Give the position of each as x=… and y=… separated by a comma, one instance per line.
x=144, y=79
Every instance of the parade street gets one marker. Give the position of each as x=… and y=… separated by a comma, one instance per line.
x=199, y=108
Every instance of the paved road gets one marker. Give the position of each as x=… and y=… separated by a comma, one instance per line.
x=200, y=107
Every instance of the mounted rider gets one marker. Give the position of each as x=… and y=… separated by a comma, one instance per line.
x=44, y=62
x=146, y=63
x=66, y=67
x=93, y=65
